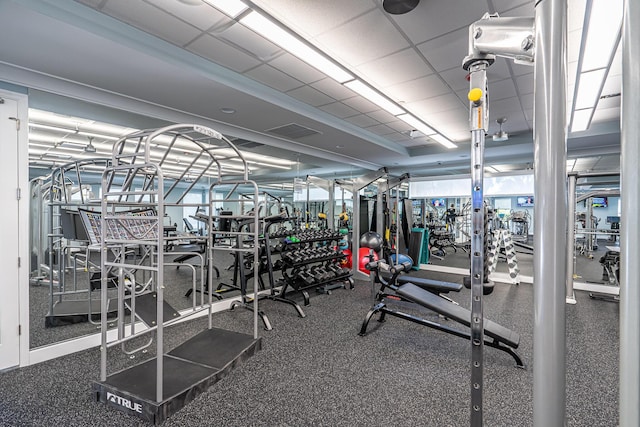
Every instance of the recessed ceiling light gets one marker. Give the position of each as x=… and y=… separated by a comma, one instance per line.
x=227, y=110
x=339, y=146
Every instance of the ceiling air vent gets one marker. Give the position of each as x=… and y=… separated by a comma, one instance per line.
x=293, y=131
x=244, y=143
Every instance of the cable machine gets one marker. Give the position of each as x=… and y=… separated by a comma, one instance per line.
x=354, y=186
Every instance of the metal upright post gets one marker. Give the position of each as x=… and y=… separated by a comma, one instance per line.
x=331, y=211
x=478, y=120
x=629, y=226
x=550, y=252
x=571, y=236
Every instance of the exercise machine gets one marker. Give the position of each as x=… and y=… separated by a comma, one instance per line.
x=427, y=293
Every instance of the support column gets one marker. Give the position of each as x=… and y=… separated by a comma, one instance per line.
x=629, y=227
x=571, y=237
x=550, y=252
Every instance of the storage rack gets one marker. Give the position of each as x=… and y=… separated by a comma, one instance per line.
x=301, y=250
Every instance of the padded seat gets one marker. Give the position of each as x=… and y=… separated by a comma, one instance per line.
x=430, y=285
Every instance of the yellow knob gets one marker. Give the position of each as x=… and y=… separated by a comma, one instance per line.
x=475, y=94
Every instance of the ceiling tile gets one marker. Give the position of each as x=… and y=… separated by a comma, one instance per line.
x=313, y=17
x=361, y=104
x=382, y=116
x=381, y=129
x=527, y=101
x=274, y=78
x=223, y=54
x=362, y=120
x=447, y=51
x=334, y=89
x=400, y=126
x=240, y=36
x=310, y=96
x=613, y=102
x=433, y=18
x=516, y=8
x=455, y=78
x=450, y=119
x=152, y=20
x=396, y=68
x=505, y=108
x=525, y=84
x=502, y=89
x=200, y=15
x=291, y=65
x=499, y=70
x=415, y=90
x=339, y=109
x=345, y=42
x=606, y=114
x=426, y=107
x=502, y=6
x=521, y=69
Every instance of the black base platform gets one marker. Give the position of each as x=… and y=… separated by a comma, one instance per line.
x=68, y=312
x=189, y=370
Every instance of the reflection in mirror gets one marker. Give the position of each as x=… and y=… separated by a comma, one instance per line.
x=597, y=229
x=68, y=150
x=70, y=142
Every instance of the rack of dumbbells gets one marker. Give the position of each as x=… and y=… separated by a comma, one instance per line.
x=310, y=259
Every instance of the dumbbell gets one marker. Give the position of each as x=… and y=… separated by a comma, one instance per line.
x=306, y=277
x=339, y=271
x=320, y=273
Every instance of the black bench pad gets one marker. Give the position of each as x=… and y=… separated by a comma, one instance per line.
x=457, y=313
x=429, y=284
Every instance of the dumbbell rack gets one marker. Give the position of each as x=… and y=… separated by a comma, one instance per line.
x=305, y=265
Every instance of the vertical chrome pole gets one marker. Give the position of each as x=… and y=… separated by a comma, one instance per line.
x=571, y=237
x=629, y=227
x=550, y=252
x=355, y=232
x=331, y=212
x=478, y=121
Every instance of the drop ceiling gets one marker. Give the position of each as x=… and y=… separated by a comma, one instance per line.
x=191, y=58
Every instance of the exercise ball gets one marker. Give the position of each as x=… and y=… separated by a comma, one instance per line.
x=402, y=258
x=363, y=259
x=371, y=240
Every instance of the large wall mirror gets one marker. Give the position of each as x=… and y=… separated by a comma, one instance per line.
x=70, y=142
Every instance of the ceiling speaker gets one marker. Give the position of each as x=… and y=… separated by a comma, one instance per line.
x=398, y=7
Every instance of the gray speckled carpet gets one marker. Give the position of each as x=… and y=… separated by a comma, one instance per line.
x=316, y=371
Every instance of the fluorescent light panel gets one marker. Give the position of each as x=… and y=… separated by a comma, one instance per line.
x=273, y=32
x=603, y=28
x=443, y=140
x=372, y=95
x=605, y=20
x=232, y=8
x=581, y=120
x=417, y=124
x=589, y=88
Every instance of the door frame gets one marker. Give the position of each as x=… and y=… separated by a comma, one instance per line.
x=22, y=163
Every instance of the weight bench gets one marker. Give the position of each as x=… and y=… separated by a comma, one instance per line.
x=434, y=286
x=424, y=292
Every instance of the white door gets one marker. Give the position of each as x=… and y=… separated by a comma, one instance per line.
x=9, y=236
